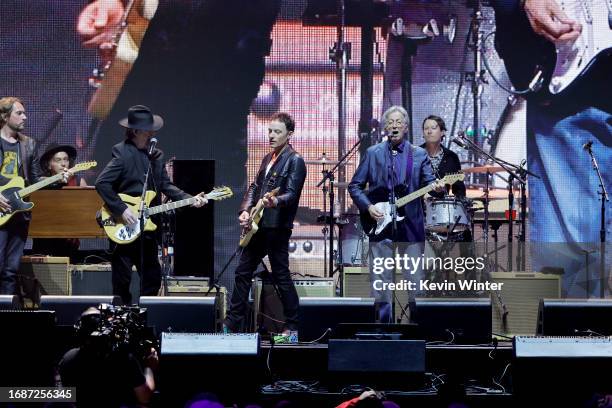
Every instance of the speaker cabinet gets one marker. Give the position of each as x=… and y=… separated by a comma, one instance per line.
x=9, y=302
x=96, y=280
x=194, y=237
x=203, y=291
x=44, y=275
x=575, y=317
x=520, y=294
x=68, y=309
x=180, y=314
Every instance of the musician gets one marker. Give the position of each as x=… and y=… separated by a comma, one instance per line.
x=443, y=160
x=283, y=167
x=398, y=165
x=55, y=160
x=558, y=126
x=125, y=173
x=18, y=158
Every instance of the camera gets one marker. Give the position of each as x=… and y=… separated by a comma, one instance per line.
x=110, y=329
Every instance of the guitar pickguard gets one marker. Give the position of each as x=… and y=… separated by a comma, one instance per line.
x=128, y=232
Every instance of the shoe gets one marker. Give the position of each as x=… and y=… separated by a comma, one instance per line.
x=290, y=338
x=226, y=329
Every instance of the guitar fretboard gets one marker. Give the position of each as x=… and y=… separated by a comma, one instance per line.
x=413, y=196
x=41, y=184
x=171, y=206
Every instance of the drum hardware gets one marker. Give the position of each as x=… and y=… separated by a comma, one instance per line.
x=484, y=169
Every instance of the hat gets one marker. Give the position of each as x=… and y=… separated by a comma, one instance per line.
x=53, y=148
x=140, y=117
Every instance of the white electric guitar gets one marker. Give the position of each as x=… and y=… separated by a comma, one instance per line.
x=384, y=207
x=575, y=58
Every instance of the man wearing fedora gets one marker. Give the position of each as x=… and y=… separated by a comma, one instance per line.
x=58, y=159
x=125, y=174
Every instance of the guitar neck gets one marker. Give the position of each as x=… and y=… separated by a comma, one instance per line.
x=26, y=191
x=171, y=206
x=400, y=202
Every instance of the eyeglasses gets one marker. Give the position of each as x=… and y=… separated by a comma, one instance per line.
x=396, y=122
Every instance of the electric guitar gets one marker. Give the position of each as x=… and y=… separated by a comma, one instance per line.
x=570, y=61
x=254, y=218
x=121, y=233
x=14, y=191
x=375, y=227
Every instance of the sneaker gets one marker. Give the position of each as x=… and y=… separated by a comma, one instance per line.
x=291, y=338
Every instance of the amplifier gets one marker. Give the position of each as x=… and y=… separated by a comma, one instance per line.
x=51, y=273
x=96, y=280
x=196, y=291
x=521, y=293
x=269, y=311
x=191, y=281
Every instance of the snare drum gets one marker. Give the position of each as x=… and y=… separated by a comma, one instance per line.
x=443, y=213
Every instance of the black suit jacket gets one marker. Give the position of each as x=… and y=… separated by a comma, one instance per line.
x=125, y=174
x=288, y=173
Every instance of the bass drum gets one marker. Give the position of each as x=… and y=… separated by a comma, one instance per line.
x=355, y=242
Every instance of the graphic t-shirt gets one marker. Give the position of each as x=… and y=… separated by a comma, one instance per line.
x=10, y=160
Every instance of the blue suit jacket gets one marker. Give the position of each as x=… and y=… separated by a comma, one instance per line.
x=373, y=172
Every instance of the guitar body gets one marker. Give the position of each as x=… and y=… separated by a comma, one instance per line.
x=246, y=236
x=116, y=230
x=10, y=191
x=383, y=227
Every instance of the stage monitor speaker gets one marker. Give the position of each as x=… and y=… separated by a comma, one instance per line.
x=317, y=315
x=27, y=348
x=225, y=363
x=575, y=317
x=96, y=280
x=44, y=275
x=180, y=314
x=520, y=294
x=68, y=309
x=268, y=307
x=9, y=302
x=194, y=236
x=203, y=291
x=454, y=320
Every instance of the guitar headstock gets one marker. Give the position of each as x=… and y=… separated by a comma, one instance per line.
x=453, y=178
x=220, y=193
x=84, y=166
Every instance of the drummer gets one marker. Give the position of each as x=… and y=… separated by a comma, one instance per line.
x=443, y=160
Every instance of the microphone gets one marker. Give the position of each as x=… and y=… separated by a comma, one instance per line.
x=587, y=145
x=152, y=144
x=458, y=141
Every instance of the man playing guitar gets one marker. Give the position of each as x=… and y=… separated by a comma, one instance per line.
x=282, y=168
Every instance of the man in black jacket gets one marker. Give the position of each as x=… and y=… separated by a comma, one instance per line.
x=17, y=159
x=283, y=167
x=125, y=173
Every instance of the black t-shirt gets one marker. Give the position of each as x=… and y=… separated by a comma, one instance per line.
x=101, y=381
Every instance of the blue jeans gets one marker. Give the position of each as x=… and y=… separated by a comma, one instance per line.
x=565, y=209
x=13, y=237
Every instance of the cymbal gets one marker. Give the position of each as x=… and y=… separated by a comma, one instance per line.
x=483, y=169
x=322, y=161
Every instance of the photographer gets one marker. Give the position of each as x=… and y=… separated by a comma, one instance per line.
x=106, y=370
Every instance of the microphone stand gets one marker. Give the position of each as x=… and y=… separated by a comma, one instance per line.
x=602, y=232
x=329, y=175
x=141, y=217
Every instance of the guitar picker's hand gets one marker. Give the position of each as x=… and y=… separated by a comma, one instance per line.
x=269, y=201
x=374, y=213
x=98, y=21
x=243, y=219
x=439, y=186
x=128, y=217
x=4, y=204
x=66, y=175
x=200, y=200
x=548, y=20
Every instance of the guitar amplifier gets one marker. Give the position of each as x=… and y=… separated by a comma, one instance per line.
x=180, y=290
x=96, y=280
x=52, y=274
x=189, y=281
x=521, y=293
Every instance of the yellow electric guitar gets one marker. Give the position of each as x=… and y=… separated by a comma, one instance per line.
x=254, y=218
x=120, y=233
x=15, y=191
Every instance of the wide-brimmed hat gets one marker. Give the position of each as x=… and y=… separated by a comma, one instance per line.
x=140, y=117
x=53, y=148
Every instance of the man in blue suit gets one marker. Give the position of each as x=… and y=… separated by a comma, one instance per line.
x=393, y=166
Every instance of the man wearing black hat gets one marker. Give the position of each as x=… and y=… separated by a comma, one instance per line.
x=125, y=173
x=59, y=159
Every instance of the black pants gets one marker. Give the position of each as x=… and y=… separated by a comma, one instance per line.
x=13, y=236
x=273, y=242
x=126, y=256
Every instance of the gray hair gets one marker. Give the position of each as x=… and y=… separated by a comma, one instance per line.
x=394, y=108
